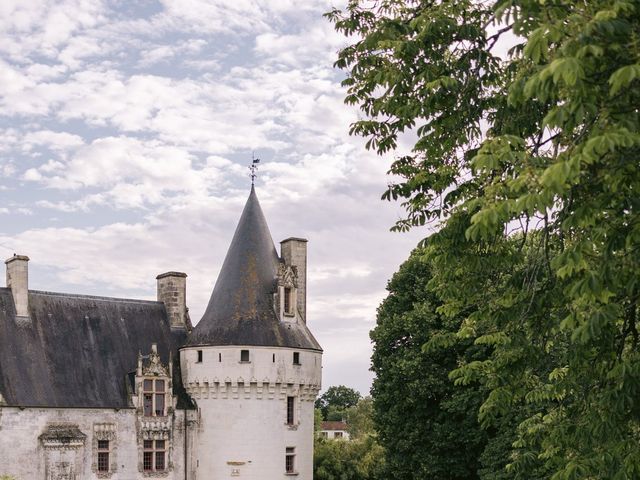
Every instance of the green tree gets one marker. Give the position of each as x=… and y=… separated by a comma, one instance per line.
x=543, y=142
x=317, y=420
x=361, y=459
x=336, y=400
x=427, y=425
x=360, y=418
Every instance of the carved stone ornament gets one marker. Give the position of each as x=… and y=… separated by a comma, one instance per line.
x=287, y=276
x=62, y=471
x=62, y=449
x=154, y=366
x=62, y=437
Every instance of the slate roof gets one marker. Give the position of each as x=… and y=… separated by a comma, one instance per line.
x=76, y=351
x=241, y=309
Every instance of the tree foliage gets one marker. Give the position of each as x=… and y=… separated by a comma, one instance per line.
x=336, y=400
x=360, y=419
x=529, y=163
x=361, y=459
x=428, y=426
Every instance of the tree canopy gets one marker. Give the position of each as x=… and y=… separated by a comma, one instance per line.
x=528, y=163
x=426, y=424
x=336, y=400
x=360, y=419
x=360, y=459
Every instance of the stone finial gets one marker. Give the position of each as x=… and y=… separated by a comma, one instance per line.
x=172, y=291
x=18, y=282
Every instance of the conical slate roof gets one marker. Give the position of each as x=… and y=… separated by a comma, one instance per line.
x=241, y=310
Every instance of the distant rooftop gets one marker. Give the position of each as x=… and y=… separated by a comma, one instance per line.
x=334, y=425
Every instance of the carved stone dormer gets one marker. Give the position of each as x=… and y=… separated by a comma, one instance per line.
x=153, y=395
x=287, y=292
x=155, y=404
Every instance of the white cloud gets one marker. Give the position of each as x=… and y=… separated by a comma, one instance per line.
x=7, y=170
x=135, y=130
x=42, y=27
x=58, y=141
x=165, y=53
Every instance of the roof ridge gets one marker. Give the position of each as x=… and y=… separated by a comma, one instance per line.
x=95, y=297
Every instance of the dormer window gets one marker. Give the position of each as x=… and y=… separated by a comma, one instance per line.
x=287, y=290
x=154, y=394
x=288, y=310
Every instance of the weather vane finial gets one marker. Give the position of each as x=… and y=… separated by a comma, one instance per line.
x=254, y=168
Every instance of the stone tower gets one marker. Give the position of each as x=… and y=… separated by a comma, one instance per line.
x=251, y=364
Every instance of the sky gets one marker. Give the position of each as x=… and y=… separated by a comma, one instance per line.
x=126, y=130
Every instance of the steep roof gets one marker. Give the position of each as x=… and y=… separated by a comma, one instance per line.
x=76, y=351
x=241, y=309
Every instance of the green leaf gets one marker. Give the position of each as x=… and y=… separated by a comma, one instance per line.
x=623, y=77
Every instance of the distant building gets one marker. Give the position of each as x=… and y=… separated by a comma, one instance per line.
x=106, y=388
x=334, y=430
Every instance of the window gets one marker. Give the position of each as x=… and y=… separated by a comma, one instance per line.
x=337, y=435
x=219, y=357
x=274, y=358
x=288, y=310
x=290, y=460
x=103, y=455
x=153, y=459
x=244, y=355
x=199, y=360
x=154, y=398
x=324, y=434
x=291, y=404
x=296, y=358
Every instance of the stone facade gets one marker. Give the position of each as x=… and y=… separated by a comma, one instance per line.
x=62, y=444
x=244, y=402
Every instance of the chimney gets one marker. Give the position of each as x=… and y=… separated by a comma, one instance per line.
x=172, y=291
x=18, y=282
x=294, y=252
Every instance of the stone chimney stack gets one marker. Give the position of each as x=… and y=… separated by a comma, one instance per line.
x=18, y=282
x=172, y=291
x=294, y=252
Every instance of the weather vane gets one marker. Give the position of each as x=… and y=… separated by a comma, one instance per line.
x=254, y=168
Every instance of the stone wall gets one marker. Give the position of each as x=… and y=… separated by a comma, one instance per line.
x=243, y=430
x=61, y=444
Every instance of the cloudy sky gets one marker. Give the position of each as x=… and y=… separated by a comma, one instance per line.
x=126, y=129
